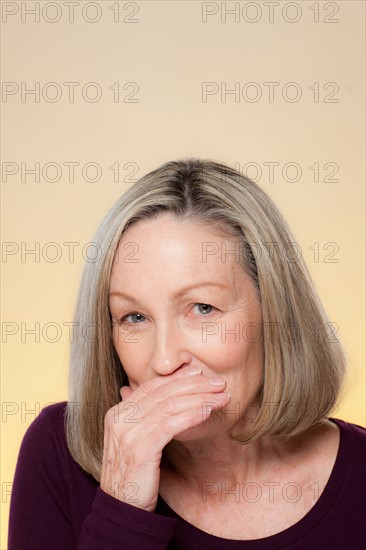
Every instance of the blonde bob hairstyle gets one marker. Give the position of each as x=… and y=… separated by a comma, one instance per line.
x=304, y=365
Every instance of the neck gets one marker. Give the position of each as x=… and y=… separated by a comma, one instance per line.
x=220, y=460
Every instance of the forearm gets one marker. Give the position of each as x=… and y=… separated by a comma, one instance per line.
x=118, y=525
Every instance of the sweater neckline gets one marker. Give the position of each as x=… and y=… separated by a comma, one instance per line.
x=187, y=531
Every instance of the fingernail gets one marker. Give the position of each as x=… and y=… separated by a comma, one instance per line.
x=192, y=370
x=217, y=381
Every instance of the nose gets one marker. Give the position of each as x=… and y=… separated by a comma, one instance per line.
x=170, y=349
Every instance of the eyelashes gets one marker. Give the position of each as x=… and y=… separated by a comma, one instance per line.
x=123, y=320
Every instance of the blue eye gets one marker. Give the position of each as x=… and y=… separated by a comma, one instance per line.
x=139, y=318
x=124, y=319
x=205, y=306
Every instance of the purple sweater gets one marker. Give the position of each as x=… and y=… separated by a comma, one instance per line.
x=56, y=505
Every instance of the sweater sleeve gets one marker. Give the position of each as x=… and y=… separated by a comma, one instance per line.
x=40, y=505
x=116, y=525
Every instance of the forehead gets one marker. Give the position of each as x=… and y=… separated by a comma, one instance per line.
x=174, y=248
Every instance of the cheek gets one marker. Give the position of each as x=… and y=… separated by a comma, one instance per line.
x=132, y=357
x=240, y=362
x=229, y=349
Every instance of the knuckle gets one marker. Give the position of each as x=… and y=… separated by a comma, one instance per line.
x=147, y=387
x=167, y=424
x=115, y=416
x=110, y=415
x=161, y=391
x=169, y=405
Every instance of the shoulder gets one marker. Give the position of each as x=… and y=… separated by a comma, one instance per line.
x=333, y=445
x=43, y=455
x=53, y=411
x=51, y=415
x=45, y=429
x=356, y=432
x=352, y=448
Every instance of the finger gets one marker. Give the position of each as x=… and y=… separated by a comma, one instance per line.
x=181, y=381
x=125, y=392
x=172, y=425
x=178, y=404
x=189, y=386
x=149, y=395
x=149, y=419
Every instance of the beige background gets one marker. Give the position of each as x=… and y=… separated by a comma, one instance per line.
x=168, y=52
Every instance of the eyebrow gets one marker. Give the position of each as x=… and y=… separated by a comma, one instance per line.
x=171, y=296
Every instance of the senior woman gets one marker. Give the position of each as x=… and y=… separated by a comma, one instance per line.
x=199, y=405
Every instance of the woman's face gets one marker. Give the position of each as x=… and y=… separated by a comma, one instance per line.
x=166, y=269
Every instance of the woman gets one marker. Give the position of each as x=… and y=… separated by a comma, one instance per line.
x=199, y=405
